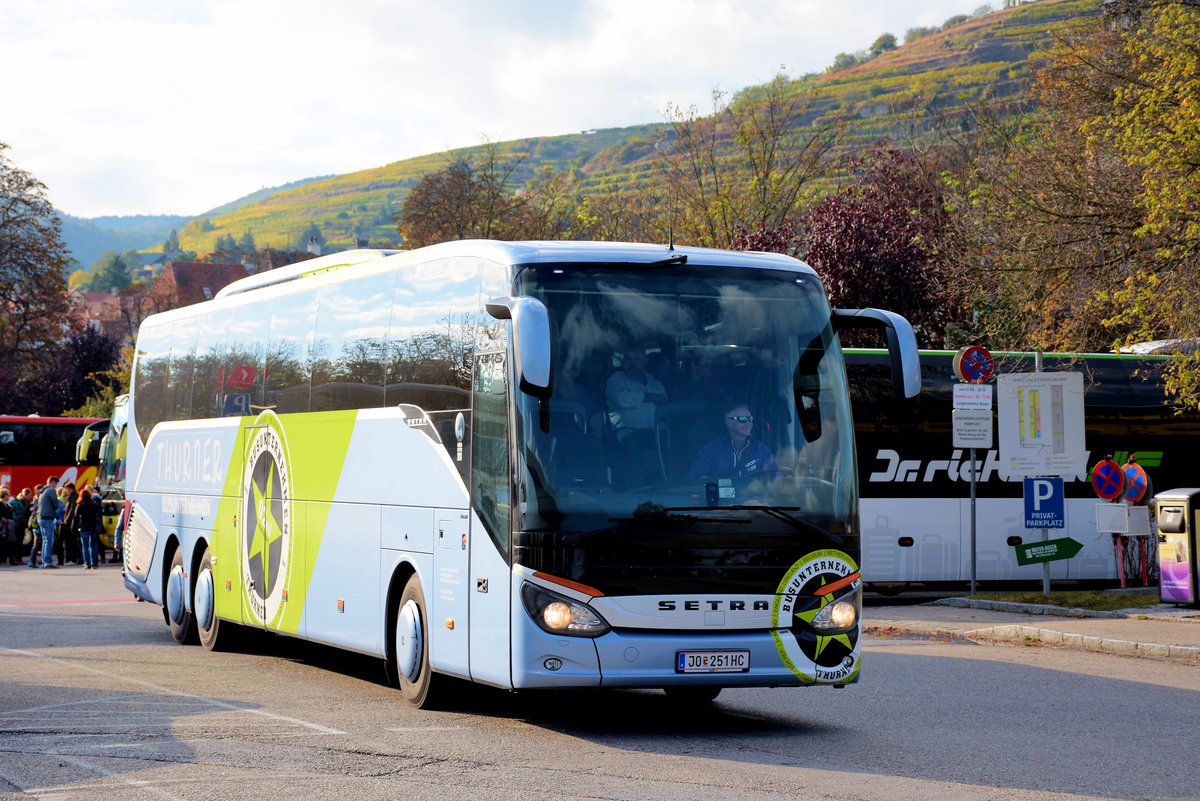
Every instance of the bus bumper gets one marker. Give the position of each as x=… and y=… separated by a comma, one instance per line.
x=650, y=659
x=631, y=659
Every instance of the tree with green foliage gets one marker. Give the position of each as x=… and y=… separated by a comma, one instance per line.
x=474, y=198
x=1154, y=126
x=114, y=271
x=311, y=232
x=171, y=244
x=109, y=384
x=1078, y=229
x=883, y=44
x=753, y=162
x=844, y=61
x=913, y=34
x=446, y=205
x=34, y=304
x=83, y=368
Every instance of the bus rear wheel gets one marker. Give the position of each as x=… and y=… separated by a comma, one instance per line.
x=214, y=635
x=179, y=619
x=410, y=646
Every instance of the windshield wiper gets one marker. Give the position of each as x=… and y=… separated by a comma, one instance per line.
x=781, y=513
x=669, y=261
x=672, y=514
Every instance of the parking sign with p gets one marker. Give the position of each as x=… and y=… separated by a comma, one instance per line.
x=1044, y=503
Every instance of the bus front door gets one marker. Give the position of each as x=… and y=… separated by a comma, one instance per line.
x=448, y=624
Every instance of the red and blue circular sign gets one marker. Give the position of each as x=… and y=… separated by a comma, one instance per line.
x=1108, y=479
x=974, y=364
x=1137, y=483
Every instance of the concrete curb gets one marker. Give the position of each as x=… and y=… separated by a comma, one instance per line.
x=1036, y=634
x=1032, y=635
x=1018, y=633
x=1024, y=609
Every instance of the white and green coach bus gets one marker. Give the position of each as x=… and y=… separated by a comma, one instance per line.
x=412, y=455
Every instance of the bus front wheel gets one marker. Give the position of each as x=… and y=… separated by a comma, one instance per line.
x=410, y=647
x=180, y=620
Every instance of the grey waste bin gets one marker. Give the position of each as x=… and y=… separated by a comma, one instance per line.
x=1178, y=514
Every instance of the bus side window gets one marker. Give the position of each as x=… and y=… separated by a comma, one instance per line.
x=179, y=376
x=489, y=447
x=211, y=333
x=289, y=369
x=350, y=344
x=150, y=390
x=243, y=373
x=429, y=349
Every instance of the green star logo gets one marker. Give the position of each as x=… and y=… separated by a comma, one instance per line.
x=267, y=529
x=823, y=641
x=266, y=523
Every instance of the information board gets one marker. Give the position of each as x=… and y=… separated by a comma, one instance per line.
x=1041, y=425
x=972, y=428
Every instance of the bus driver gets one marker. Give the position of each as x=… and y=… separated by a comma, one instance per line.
x=737, y=454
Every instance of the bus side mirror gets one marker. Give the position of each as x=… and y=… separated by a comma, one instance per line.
x=901, y=342
x=531, y=345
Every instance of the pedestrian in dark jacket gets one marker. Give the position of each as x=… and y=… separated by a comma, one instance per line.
x=87, y=513
x=68, y=532
x=22, y=505
x=49, y=512
x=35, y=529
x=8, y=528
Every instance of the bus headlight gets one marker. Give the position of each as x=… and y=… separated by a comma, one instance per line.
x=558, y=614
x=840, y=615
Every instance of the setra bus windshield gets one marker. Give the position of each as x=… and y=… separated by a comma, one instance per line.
x=698, y=428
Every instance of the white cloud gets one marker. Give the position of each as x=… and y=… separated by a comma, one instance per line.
x=177, y=106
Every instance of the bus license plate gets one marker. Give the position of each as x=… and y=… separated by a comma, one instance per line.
x=712, y=661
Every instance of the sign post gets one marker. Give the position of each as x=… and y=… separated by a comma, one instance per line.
x=972, y=418
x=1041, y=429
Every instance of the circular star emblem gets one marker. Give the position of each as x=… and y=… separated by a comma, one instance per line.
x=814, y=657
x=266, y=529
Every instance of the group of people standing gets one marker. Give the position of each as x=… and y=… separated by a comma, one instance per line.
x=59, y=522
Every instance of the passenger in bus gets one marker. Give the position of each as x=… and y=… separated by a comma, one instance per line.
x=631, y=397
x=736, y=454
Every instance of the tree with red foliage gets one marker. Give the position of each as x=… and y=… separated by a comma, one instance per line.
x=876, y=241
x=767, y=240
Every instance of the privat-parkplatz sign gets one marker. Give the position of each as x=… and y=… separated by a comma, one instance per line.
x=1045, y=506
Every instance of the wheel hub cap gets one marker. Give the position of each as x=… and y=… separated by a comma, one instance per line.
x=408, y=641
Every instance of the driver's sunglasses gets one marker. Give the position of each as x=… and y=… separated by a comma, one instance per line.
x=742, y=418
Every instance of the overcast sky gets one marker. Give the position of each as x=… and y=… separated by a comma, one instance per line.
x=178, y=106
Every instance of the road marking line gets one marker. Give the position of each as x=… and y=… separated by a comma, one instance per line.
x=4, y=604
x=168, y=691
x=108, y=774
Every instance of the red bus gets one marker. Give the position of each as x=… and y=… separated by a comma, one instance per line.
x=34, y=448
